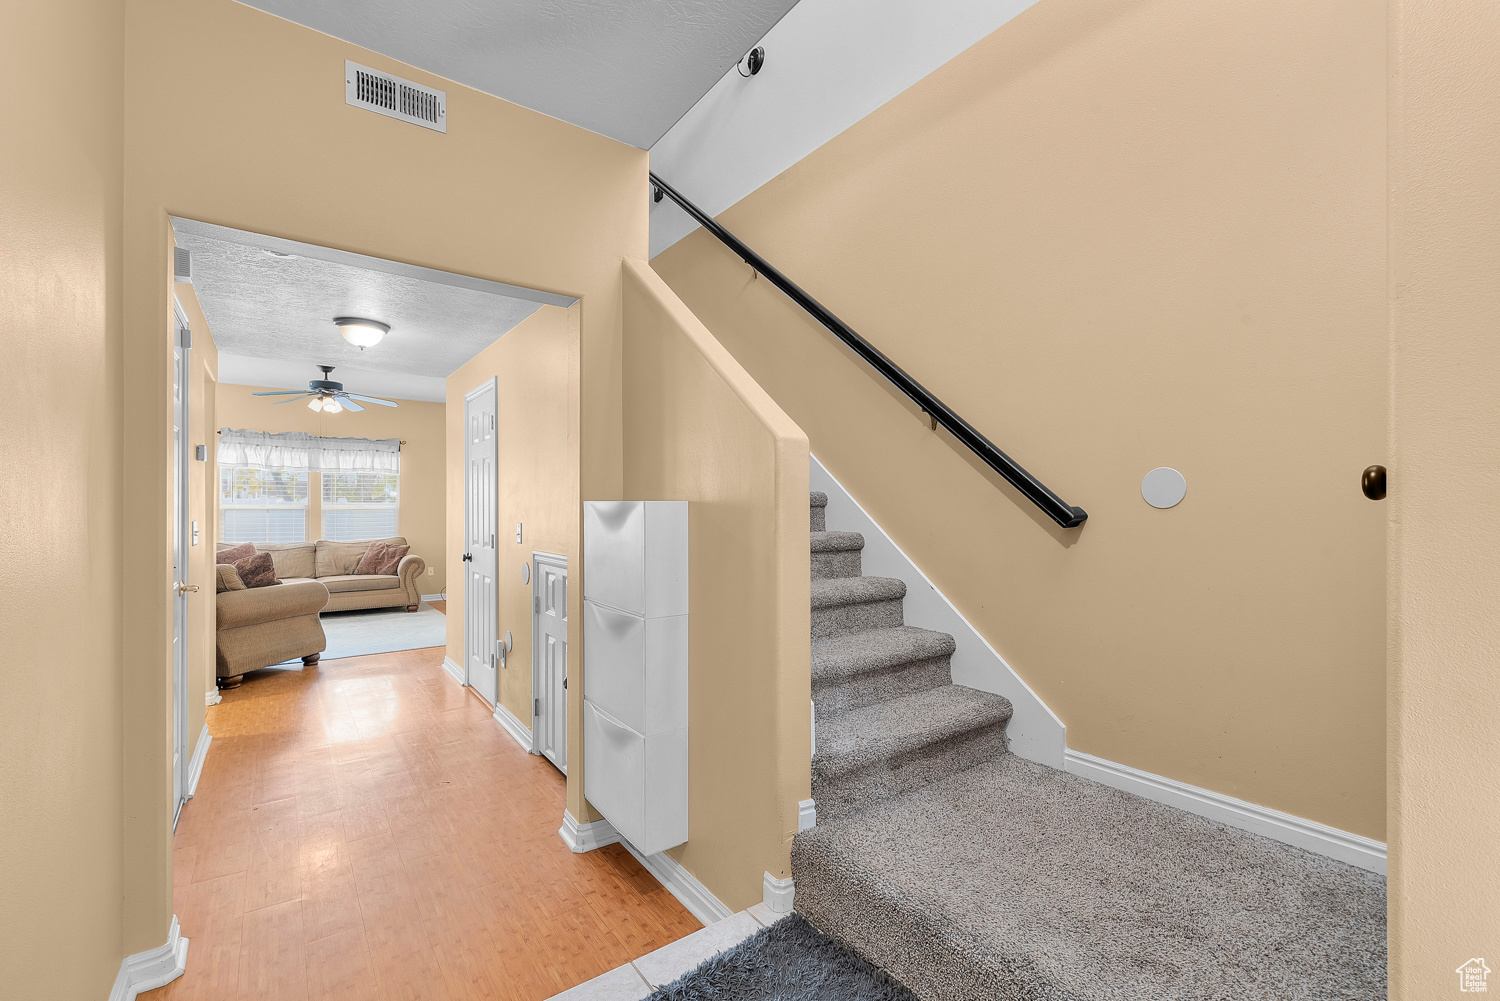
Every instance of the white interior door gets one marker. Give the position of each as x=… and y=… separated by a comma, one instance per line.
x=549, y=656
x=481, y=525
x=181, y=544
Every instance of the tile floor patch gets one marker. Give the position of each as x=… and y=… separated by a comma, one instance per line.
x=764, y=914
x=671, y=961
x=620, y=984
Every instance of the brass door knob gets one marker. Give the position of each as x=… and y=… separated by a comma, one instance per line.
x=1372, y=482
x=186, y=588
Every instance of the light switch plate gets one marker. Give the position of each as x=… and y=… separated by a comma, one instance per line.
x=200, y=452
x=195, y=532
x=518, y=531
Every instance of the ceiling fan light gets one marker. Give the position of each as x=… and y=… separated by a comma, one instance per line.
x=316, y=403
x=332, y=407
x=360, y=332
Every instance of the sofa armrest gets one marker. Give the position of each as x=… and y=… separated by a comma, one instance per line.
x=267, y=604
x=410, y=570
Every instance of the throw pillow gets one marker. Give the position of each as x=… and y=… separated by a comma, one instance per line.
x=236, y=553
x=229, y=578
x=257, y=570
x=381, y=558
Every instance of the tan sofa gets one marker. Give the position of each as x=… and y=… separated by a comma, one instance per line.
x=332, y=565
x=261, y=626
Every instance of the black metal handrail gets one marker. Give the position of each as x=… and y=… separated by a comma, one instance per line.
x=1035, y=491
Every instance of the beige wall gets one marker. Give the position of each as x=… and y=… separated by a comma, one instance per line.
x=1445, y=478
x=699, y=429
x=1116, y=236
x=60, y=687
x=535, y=366
x=236, y=117
x=423, y=499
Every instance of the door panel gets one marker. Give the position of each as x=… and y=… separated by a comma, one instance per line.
x=550, y=650
x=481, y=527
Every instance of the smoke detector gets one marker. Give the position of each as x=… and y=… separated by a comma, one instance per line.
x=394, y=97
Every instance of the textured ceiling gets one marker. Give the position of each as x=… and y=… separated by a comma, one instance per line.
x=626, y=69
x=280, y=310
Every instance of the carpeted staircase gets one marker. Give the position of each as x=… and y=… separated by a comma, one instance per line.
x=969, y=873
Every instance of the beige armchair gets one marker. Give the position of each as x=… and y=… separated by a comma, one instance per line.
x=261, y=626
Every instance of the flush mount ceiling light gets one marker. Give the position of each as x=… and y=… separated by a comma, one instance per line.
x=360, y=332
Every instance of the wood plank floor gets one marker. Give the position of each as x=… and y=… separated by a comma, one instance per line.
x=364, y=830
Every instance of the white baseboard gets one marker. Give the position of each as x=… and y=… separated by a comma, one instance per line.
x=195, y=766
x=1296, y=831
x=683, y=885
x=212, y=697
x=146, y=971
x=1034, y=731
x=454, y=668
x=582, y=838
x=434, y=597
x=807, y=815
x=680, y=883
x=515, y=728
x=778, y=894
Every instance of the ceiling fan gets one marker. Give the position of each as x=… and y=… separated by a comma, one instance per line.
x=326, y=396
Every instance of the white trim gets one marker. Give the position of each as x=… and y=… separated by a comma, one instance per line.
x=683, y=885
x=1034, y=731
x=146, y=971
x=807, y=815
x=195, y=767
x=582, y=838
x=1284, y=827
x=454, y=668
x=433, y=597
x=515, y=728
x=778, y=894
x=212, y=697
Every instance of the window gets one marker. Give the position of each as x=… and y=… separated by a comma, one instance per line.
x=262, y=505
x=359, y=505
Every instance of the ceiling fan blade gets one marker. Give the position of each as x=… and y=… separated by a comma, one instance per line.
x=279, y=392
x=295, y=399
x=349, y=404
x=371, y=399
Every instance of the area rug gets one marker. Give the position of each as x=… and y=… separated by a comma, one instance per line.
x=382, y=630
x=789, y=961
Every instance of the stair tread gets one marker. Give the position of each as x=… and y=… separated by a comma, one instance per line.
x=837, y=542
x=855, y=590
x=1012, y=879
x=861, y=737
x=850, y=654
x=817, y=498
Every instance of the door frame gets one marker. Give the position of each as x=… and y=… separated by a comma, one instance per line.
x=538, y=560
x=182, y=346
x=492, y=383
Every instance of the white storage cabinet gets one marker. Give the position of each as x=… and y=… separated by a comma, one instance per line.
x=635, y=679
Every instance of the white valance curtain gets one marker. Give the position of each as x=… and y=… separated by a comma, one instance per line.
x=298, y=451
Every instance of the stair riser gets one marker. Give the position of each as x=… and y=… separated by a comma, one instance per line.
x=888, y=932
x=852, y=618
x=879, y=686
x=847, y=794
x=827, y=566
x=819, y=519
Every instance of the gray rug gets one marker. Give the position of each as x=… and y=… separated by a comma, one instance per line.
x=382, y=630
x=789, y=961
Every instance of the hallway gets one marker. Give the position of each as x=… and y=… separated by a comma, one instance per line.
x=365, y=830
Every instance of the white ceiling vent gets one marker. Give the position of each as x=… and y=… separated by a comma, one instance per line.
x=394, y=97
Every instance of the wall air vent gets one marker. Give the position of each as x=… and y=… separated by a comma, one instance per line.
x=182, y=266
x=394, y=97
